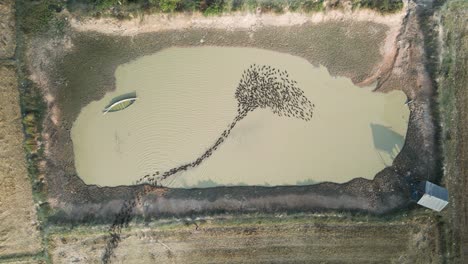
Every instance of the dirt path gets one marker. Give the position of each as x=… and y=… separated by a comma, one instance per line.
x=18, y=223
x=236, y=21
x=7, y=30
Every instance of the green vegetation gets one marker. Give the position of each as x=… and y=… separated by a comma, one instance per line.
x=212, y=7
x=383, y=6
x=175, y=223
x=33, y=109
x=23, y=258
x=37, y=16
x=453, y=108
x=127, y=8
x=313, y=6
x=168, y=5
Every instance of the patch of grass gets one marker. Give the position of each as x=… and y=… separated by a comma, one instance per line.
x=33, y=109
x=168, y=6
x=188, y=6
x=169, y=224
x=123, y=8
x=212, y=7
x=313, y=6
x=35, y=16
x=236, y=5
x=275, y=6
x=40, y=17
x=104, y=4
x=382, y=6
x=452, y=104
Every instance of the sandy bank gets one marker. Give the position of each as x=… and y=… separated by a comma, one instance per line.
x=235, y=21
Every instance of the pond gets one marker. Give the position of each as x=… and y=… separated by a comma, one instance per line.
x=219, y=116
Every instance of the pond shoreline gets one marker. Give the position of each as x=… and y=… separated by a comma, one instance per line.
x=179, y=116
x=73, y=200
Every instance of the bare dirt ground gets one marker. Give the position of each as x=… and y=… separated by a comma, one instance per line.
x=235, y=21
x=19, y=227
x=7, y=29
x=280, y=239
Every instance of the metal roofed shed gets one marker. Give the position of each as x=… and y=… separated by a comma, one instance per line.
x=432, y=196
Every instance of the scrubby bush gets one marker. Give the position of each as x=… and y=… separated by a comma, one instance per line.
x=122, y=8
x=212, y=7
x=35, y=16
x=276, y=6
x=313, y=5
x=236, y=5
x=383, y=6
x=168, y=6
x=103, y=4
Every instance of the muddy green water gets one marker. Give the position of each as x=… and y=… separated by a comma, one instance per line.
x=186, y=100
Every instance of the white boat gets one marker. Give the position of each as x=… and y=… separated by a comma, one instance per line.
x=119, y=105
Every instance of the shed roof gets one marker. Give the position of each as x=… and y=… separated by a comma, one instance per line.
x=434, y=197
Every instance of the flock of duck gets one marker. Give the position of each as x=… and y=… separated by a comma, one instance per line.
x=261, y=86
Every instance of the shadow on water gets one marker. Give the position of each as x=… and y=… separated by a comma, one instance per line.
x=386, y=140
x=307, y=182
x=121, y=97
x=210, y=183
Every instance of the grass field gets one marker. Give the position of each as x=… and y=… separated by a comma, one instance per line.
x=257, y=239
x=453, y=105
x=19, y=227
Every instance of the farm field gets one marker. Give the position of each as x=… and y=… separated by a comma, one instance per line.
x=19, y=229
x=258, y=239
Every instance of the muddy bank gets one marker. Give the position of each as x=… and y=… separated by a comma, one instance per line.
x=84, y=71
x=232, y=21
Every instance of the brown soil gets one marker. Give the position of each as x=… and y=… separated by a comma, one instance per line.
x=7, y=29
x=84, y=70
x=233, y=21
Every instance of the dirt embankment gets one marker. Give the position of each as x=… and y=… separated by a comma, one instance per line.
x=235, y=21
x=18, y=222
x=362, y=50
